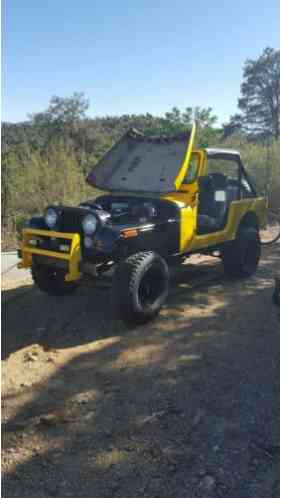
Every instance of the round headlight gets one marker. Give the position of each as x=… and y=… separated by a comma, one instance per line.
x=51, y=217
x=89, y=224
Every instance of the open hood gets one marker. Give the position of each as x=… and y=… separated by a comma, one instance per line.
x=144, y=164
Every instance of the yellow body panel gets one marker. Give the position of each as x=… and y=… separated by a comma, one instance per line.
x=193, y=187
x=187, y=199
x=190, y=241
x=188, y=215
x=73, y=256
x=236, y=212
x=184, y=166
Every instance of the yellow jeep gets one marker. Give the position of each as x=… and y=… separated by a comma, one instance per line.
x=163, y=201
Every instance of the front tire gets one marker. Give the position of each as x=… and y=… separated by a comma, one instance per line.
x=241, y=257
x=51, y=280
x=140, y=287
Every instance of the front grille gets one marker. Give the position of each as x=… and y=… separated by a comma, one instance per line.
x=51, y=243
x=71, y=219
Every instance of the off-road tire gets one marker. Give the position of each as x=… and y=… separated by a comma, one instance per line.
x=241, y=257
x=51, y=280
x=140, y=287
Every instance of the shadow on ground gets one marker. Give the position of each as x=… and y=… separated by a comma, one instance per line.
x=185, y=406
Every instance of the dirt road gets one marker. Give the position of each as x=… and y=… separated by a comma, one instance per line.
x=187, y=406
x=9, y=270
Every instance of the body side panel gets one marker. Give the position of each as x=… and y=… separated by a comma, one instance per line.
x=187, y=200
x=237, y=210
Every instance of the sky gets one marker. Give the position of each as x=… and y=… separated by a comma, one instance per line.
x=132, y=56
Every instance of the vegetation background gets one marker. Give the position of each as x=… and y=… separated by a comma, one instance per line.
x=45, y=159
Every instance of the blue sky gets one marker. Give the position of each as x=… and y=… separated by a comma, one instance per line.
x=131, y=57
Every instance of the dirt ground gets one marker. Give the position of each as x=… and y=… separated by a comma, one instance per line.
x=187, y=406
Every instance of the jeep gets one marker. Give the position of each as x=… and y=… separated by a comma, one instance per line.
x=162, y=200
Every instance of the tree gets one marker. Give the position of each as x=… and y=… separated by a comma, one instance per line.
x=61, y=120
x=204, y=117
x=176, y=121
x=66, y=110
x=260, y=96
x=174, y=116
x=234, y=125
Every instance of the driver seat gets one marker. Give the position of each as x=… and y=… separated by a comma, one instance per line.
x=213, y=203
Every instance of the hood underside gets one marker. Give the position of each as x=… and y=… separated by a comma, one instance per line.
x=142, y=164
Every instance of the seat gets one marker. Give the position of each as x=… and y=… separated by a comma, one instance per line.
x=213, y=203
x=232, y=189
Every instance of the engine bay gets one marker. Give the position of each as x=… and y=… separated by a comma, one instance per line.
x=117, y=210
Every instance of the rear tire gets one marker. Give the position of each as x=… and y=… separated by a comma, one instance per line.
x=51, y=280
x=241, y=257
x=140, y=287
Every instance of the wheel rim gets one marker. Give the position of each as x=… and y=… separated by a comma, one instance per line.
x=151, y=287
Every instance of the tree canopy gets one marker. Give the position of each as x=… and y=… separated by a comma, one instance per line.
x=260, y=97
x=66, y=110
